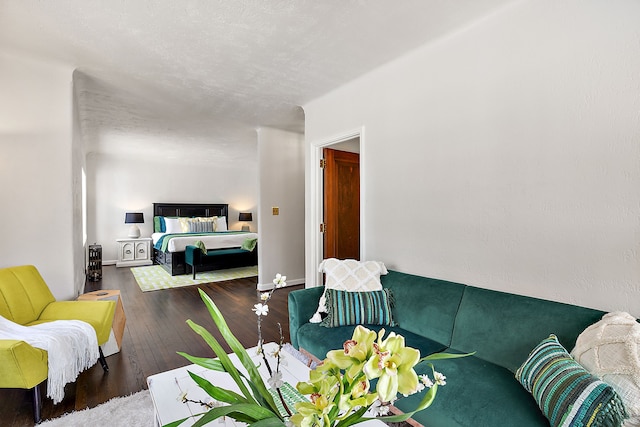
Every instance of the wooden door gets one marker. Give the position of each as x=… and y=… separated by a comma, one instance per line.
x=341, y=204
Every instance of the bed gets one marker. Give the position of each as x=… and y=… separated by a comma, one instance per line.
x=169, y=242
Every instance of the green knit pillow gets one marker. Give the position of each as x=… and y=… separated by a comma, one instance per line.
x=358, y=308
x=567, y=393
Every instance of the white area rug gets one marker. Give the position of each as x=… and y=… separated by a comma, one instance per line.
x=133, y=411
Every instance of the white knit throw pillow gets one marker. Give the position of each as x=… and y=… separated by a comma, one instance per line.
x=610, y=349
x=348, y=275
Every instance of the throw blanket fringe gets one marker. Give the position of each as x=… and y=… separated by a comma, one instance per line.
x=71, y=345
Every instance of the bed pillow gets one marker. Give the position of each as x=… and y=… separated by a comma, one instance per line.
x=221, y=224
x=565, y=392
x=358, y=308
x=172, y=225
x=158, y=224
x=610, y=350
x=196, y=226
x=348, y=275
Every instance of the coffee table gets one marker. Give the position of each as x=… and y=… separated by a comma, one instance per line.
x=166, y=387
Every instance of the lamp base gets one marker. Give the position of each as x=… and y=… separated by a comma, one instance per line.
x=134, y=231
x=246, y=228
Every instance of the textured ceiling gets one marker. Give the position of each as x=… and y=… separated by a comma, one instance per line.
x=208, y=73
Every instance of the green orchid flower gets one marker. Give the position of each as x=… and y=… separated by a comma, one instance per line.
x=355, y=352
x=313, y=413
x=392, y=363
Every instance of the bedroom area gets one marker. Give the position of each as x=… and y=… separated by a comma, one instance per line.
x=118, y=183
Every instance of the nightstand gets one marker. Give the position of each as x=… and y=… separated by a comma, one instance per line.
x=134, y=252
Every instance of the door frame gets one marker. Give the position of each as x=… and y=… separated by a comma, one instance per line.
x=317, y=203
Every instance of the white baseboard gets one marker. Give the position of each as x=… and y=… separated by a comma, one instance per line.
x=269, y=286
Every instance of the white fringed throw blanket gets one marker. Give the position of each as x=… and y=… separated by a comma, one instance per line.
x=72, y=347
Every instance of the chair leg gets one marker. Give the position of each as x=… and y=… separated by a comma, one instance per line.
x=103, y=361
x=194, y=271
x=37, y=404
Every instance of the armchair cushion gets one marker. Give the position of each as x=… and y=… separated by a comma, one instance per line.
x=98, y=314
x=23, y=294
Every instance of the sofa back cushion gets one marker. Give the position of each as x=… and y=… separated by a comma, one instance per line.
x=502, y=328
x=23, y=294
x=424, y=306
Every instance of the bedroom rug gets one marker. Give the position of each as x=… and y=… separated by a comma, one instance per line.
x=154, y=277
x=135, y=410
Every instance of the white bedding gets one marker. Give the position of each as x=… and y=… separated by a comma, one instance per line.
x=214, y=241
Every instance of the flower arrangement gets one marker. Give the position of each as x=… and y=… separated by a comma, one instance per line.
x=339, y=389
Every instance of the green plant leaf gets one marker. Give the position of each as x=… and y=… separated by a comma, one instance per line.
x=239, y=350
x=442, y=356
x=176, y=423
x=353, y=418
x=269, y=422
x=205, y=362
x=250, y=411
x=218, y=393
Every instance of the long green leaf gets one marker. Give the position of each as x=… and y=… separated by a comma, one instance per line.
x=269, y=422
x=442, y=356
x=353, y=418
x=239, y=350
x=228, y=365
x=205, y=362
x=252, y=411
x=218, y=393
x=176, y=423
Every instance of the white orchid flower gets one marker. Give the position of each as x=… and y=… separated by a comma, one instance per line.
x=261, y=309
x=280, y=280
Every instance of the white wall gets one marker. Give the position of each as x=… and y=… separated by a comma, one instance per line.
x=35, y=169
x=516, y=139
x=118, y=185
x=281, y=181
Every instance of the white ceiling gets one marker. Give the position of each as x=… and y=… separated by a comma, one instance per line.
x=207, y=73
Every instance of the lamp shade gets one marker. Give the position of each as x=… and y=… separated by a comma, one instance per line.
x=245, y=216
x=133, y=218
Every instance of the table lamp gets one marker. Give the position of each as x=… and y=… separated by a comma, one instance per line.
x=245, y=217
x=134, y=218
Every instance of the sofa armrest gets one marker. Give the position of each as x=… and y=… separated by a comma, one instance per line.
x=23, y=366
x=303, y=303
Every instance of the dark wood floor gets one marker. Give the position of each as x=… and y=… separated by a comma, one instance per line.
x=155, y=330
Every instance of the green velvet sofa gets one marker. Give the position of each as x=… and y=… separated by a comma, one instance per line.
x=26, y=299
x=435, y=315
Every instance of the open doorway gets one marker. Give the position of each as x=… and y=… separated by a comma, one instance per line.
x=350, y=142
x=341, y=200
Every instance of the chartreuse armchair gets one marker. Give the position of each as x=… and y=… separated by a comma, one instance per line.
x=26, y=299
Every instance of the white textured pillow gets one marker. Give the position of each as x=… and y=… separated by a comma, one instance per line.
x=348, y=275
x=221, y=223
x=610, y=350
x=172, y=225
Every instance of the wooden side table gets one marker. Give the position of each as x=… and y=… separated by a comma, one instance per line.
x=119, y=319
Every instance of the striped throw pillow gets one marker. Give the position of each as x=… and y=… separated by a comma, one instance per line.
x=567, y=393
x=358, y=308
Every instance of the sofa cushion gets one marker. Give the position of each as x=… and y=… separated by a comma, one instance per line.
x=318, y=340
x=477, y=393
x=424, y=306
x=353, y=308
x=348, y=275
x=565, y=392
x=502, y=328
x=610, y=350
